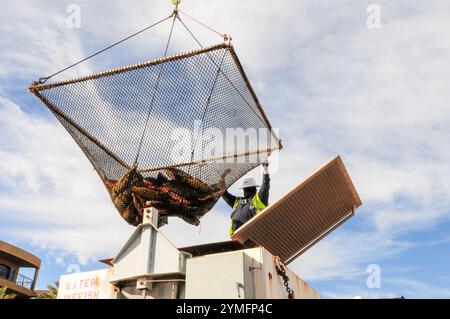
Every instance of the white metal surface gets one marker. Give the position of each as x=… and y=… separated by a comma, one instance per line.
x=149, y=266
x=268, y=284
x=247, y=273
x=218, y=276
x=147, y=251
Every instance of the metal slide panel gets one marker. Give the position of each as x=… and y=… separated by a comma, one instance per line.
x=305, y=215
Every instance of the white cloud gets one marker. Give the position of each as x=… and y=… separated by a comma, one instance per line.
x=52, y=192
x=49, y=185
x=345, y=255
x=36, y=42
x=419, y=289
x=397, y=221
x=377, y=97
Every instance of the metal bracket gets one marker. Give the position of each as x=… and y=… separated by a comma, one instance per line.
x=142, y=284
x=176, y=3
x=150, y=216
x=251, y=268
x=227, y=39
x=238, y=286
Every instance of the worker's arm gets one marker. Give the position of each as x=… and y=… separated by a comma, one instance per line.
x=229, y=199
x=265, y=186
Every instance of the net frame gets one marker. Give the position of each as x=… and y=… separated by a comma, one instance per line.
x=39, y=90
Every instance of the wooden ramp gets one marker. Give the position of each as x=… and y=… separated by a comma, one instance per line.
x=305, y=215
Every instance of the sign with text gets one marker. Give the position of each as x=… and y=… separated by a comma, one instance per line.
x=86, y=285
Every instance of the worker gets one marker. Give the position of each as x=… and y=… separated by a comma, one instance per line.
x=253, y=202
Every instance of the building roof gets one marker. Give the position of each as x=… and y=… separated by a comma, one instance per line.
x=18, y=255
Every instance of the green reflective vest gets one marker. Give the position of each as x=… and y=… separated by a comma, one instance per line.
x=256, y=202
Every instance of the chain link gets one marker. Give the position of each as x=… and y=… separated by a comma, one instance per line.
x=281, y=270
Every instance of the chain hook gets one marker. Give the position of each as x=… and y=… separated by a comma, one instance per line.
x=175, y=4
x=41, y=81
x=281, y=270
x=227, y=39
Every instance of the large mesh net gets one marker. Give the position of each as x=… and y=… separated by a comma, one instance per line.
x=172, y=133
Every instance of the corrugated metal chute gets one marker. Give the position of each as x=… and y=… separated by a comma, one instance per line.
x=305, y=215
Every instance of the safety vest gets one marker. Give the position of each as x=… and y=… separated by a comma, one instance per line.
x=256, y=202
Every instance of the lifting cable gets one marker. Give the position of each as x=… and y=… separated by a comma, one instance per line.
x=223, y=35
x=208, y=102
x=175, y=16
x=219, y=70
x=45, y=79
x=152, y=101
x=227, y=39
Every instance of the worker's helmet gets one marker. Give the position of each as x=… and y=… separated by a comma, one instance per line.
x=249, y=182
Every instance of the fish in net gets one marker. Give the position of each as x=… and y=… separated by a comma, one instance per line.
x=157, y=132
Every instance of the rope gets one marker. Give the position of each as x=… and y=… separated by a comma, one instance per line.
x=154, y=93
x=45, y=79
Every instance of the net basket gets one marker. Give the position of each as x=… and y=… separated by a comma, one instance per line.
x=173, y=133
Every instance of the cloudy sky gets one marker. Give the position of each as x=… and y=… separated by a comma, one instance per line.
x=332, y=82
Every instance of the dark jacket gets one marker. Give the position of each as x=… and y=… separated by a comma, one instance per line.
x=243, y=211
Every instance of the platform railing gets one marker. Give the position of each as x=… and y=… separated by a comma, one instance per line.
x=20, y=279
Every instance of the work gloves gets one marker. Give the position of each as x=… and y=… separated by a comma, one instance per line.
x=265, y=167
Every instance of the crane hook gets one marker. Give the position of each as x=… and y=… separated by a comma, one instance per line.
x=175, y=9
x=176, y=3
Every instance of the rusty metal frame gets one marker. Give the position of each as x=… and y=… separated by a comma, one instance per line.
x=203, y=161
x=36, y=88
x=174, y=57
x=252, y=92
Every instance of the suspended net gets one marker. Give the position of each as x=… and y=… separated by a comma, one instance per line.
x=172, y=133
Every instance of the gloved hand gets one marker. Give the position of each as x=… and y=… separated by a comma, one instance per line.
x=265, y=166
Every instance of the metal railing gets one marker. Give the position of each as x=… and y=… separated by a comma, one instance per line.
x=20, y=279
x=24, y=281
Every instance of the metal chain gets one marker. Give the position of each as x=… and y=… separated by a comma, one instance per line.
x=281, y=270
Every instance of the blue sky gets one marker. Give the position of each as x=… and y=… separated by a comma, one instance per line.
x=378, y=97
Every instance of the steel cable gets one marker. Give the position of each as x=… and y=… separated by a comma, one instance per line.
x=154, y=93
x=45, y=79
